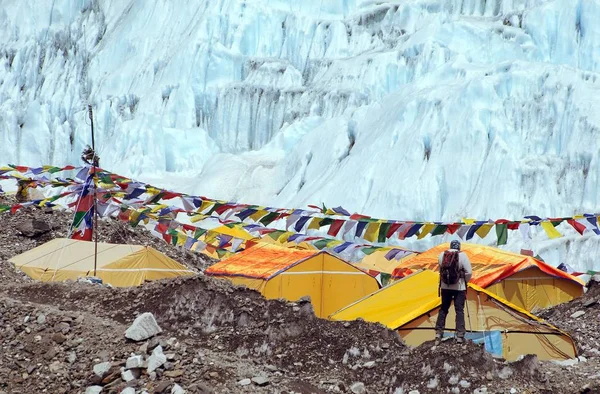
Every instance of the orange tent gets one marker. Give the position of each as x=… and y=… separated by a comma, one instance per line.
x=279, y=272
x=523, y=280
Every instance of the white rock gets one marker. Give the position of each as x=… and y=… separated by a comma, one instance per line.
x=463, y=383
x=93, y=390
x=102, y=369
x=128, y=390
x=260, y=380
x=413, y=392
x=41, y=319
x=177, y=389
x=566, y=363
x=480, y=390
x=577, y=314
x=369, y=364
x=358, y=388
x=72, y=357
x=244, y=382
x=143, y=327
x=156, y=359
x=127, y=376
x=513, y=390
x=134, y=362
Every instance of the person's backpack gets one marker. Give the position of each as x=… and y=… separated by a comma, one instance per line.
x=450, y=269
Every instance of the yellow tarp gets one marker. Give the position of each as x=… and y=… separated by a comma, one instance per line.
x=523, y=280
x=118, y=265
x=291, y=274
x=411, y=305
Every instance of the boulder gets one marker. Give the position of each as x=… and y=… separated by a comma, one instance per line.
x=102, y=369
x=127, y=375
x=93, y=390
x=244, y=382
x=260, y=381
x=156, y=359
x=134, y=362
x=143, y=327
x=33, y=228
x=128, y=390
x=358, y=388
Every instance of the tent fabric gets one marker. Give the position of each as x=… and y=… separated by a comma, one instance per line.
x=522, y=280
x=278, y=272
x=118, y=265
x=392, y=305
x=262, y=261
x=378, y=262
x=411, y=305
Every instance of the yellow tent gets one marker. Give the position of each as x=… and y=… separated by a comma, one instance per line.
x=118, y=265
x=526, y=282
x=411, y=305
x=279, y=272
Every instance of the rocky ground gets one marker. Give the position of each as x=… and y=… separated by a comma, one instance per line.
x=218, y=338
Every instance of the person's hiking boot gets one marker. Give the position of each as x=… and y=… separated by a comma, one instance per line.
x=460, y=340
x=438, y=340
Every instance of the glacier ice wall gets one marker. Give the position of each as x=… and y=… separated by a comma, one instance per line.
x=412, y=109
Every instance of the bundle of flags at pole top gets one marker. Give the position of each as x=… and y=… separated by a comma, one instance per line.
x=140, y=202
x=82, y=227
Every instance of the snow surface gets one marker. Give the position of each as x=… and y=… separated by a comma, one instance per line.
x=412, y=109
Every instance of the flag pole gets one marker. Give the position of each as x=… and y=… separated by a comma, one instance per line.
x=94, y=164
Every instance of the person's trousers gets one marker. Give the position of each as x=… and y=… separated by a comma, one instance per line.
x=458, y=296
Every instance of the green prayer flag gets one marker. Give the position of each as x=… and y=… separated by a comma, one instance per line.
x=276, y=234
x=321, y=244
x=501, y=233
x=383, y=230
x=199, y=232
x=325, y=222
x=269, y=218
x=439, y=229
x=370, y=250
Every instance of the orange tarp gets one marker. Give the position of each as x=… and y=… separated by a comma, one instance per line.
x=262, y=261
x=490, y=265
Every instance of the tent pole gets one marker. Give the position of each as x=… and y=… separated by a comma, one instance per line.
x=94, y=164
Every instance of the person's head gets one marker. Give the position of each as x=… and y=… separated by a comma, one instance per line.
x=455, y=245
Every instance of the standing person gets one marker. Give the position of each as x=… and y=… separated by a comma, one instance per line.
x=455, y=273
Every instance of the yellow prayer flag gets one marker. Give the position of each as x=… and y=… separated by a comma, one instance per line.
x=333, y=243
x=484, y=230
x=314, y=224
x=426, y=229
x=258, y=214
x=158, y=207
x=181, y=238
x=284, y=237
x=205, y=204
x=210, y=237
x=372, y=231
x=468, y=221
x=197, y=217
x=550, y=230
